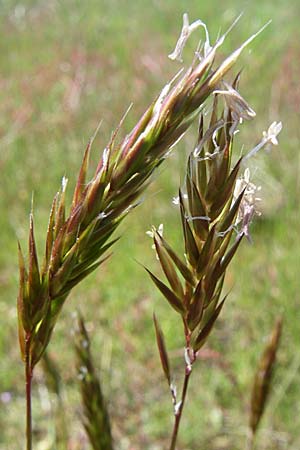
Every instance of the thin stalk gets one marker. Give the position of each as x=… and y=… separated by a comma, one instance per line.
x=178, y=413
x=28, y=379
x=250, y=440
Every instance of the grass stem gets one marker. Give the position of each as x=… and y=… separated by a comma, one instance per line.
x=28, y=379
x=178, y=413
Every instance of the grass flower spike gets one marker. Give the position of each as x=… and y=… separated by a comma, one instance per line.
x=96, y=418
x=216, y=208
x=263, y=380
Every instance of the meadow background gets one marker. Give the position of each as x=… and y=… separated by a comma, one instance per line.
x=65, y=65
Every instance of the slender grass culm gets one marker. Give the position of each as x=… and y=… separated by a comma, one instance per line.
x=77, y=241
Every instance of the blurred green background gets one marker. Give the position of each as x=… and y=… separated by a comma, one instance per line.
x=65, y=65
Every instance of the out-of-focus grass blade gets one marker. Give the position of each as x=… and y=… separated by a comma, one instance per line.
x=263, y=377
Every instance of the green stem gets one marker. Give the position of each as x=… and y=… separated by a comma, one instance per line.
x=178, y=413
x=28, y=379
